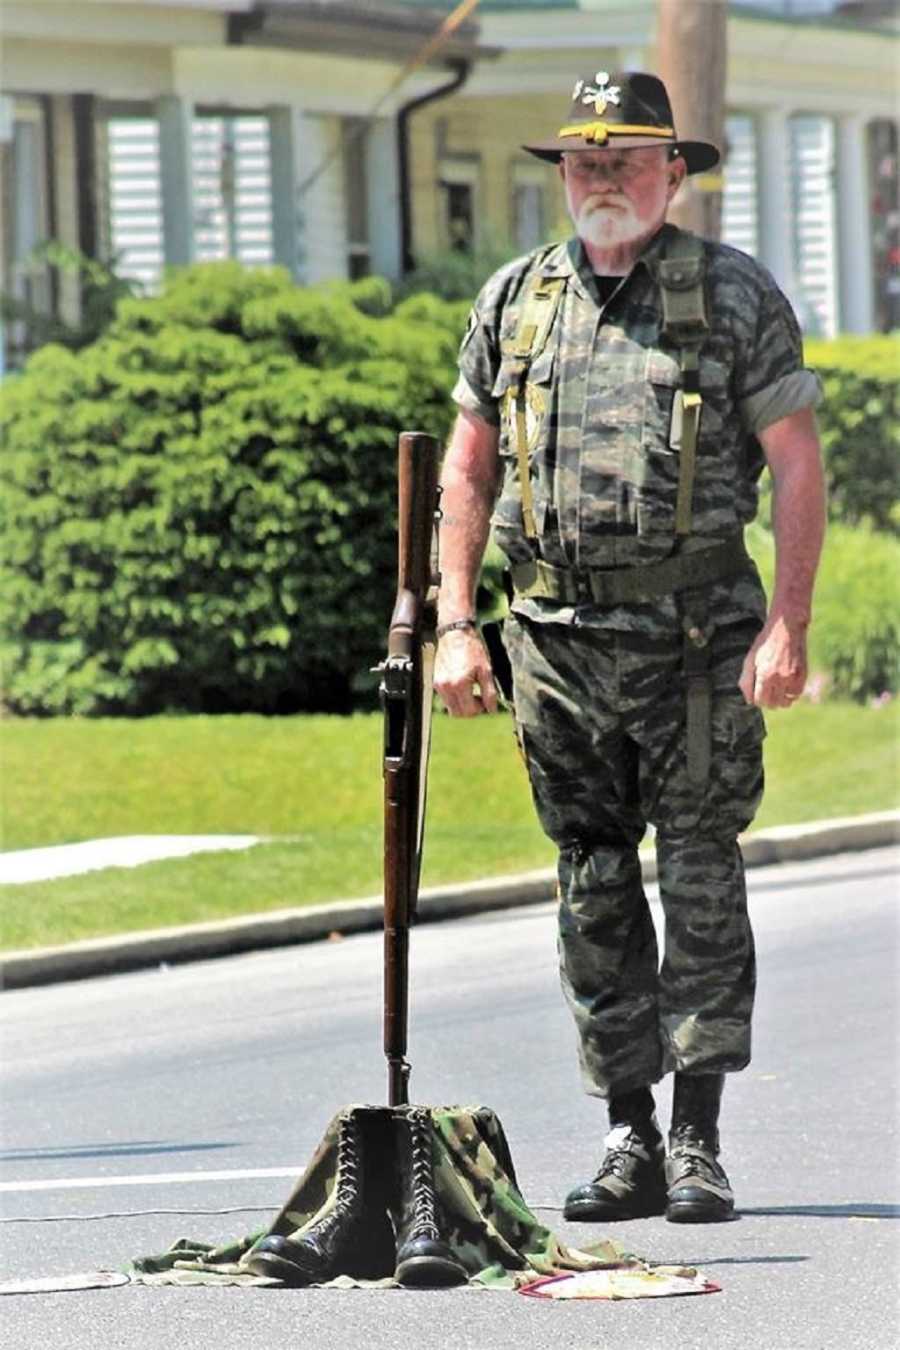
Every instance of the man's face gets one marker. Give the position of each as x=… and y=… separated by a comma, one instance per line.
x=616, y=196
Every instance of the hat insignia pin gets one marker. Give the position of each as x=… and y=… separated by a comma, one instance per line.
x=601, y=93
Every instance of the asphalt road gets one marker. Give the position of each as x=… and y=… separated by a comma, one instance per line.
x=125, y=1100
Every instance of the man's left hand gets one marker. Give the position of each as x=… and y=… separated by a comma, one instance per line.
x=774, y=673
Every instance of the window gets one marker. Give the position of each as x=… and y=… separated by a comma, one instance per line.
x=884, y=179
x=232, y=188
x=26, y=218
x=356, y=197
x=529, y=227
x=458, y=187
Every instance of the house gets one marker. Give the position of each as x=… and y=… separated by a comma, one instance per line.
x=337, y=138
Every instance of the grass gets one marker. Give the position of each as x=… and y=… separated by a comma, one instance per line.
x=312, y=785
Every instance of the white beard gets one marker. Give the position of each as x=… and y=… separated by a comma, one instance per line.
x=608, y=226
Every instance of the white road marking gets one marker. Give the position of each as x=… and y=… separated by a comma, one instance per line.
x=150, y=1179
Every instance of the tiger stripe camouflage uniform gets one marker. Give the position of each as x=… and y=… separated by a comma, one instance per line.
x=600, y=700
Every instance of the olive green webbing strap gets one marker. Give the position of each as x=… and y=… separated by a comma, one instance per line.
x=538, y=314
x=528, y=522
x=685, y=321
x=698, y=688
x=691, y=407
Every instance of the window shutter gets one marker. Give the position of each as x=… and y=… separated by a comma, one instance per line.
x=232, y=189
x=134, y=197
x=739, y=214
x=812, y=187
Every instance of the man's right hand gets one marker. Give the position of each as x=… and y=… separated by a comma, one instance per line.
x=462, y=674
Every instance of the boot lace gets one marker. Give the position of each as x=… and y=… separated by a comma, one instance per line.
x=347, y=1184
x=695, y=1156
x=623, y=1149
x=422, y=1177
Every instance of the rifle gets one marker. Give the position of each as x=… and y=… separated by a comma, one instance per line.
x=406, y=697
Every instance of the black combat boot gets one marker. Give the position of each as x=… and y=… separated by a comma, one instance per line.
x=354, y=1237
x=699, y=1191
x=631, y=1181
x=423, y=1257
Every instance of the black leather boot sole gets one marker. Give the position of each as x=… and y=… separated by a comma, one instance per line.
x=702, y=1208
x=429, y=1272
x=611, y=1211
x=273, y=1263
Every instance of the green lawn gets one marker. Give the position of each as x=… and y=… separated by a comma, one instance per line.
x=313, y=785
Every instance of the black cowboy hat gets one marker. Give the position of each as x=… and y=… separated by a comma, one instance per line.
x=628, y=110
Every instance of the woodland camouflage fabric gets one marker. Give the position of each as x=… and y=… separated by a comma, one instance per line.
x=487, y=1222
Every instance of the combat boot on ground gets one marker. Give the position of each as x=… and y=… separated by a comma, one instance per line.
x=698, y=1189
x=631, y=1180
x=424, y=1257
x=353, y=1238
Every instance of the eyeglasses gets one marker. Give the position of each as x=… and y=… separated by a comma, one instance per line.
x=623, y=165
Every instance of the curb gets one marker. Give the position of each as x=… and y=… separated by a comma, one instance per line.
x=202, y=941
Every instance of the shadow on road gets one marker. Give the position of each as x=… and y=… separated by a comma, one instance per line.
x=830, y=1211
x=742, y=1260
x=138, y=1148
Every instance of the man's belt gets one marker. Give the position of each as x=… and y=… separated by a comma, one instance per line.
x=629, y=585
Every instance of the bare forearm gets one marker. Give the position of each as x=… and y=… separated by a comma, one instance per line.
x=468, y=483
x=774, y=672
x=799, y=527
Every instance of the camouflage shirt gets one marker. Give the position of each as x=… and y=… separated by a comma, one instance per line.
x=600, y=405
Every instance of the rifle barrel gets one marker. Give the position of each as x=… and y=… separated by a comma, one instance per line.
x=403, y=691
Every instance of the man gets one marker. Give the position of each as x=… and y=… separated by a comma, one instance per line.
x=618, y=397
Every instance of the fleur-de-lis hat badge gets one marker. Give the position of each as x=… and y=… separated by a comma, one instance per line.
x=627, y=110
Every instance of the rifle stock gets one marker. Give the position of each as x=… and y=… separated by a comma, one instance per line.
x=406, y=691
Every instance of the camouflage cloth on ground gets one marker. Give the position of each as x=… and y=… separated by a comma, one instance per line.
x=488, y=1224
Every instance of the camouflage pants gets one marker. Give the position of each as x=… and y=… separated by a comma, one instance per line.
x=601, y=721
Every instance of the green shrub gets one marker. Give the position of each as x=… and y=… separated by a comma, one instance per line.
x=859, y=425
x=855, y=634
x=200, y=507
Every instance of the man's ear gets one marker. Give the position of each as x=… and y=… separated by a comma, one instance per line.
x=677, y=172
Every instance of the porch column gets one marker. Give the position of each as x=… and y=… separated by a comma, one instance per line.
x=175, y=117
x=283, y=163
x=774, y=210
x=854, y=237
x=383, y=177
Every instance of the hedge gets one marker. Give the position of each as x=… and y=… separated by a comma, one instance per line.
x=860, y=429
x=200, y=507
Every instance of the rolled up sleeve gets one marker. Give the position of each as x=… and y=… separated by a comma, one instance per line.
x=774, y=382
x=478, y=364
x=798, y=389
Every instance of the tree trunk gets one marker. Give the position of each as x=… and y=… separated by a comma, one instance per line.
x=692, y=45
